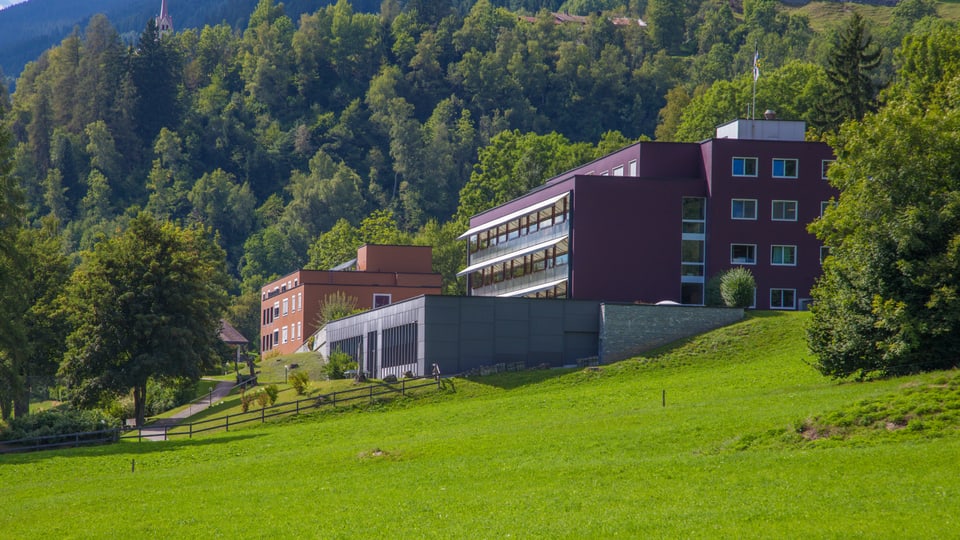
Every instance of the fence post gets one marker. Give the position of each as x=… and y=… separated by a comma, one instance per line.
x=227, y=420
x=191, y=430
x=371, y=393
x=298, y=406
x=262, y=420
x=165, y=432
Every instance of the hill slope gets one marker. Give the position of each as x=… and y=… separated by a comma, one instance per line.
x=557, y=454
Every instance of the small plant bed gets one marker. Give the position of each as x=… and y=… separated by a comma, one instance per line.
x=918, y=410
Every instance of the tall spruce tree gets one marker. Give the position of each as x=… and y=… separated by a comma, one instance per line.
x=851, y=93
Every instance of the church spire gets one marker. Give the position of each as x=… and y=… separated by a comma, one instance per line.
x=164, y=21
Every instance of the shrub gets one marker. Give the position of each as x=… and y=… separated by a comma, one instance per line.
x=245, y=400
x=300, y=381
x=58, y=421
x=338, y=363
x=263, y=398
x=713, y=298
x=272, y=393
x=737, y=287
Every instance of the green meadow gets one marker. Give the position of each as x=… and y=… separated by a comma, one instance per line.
x=729, y=435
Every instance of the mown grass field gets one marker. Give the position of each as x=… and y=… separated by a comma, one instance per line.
x=542, y=454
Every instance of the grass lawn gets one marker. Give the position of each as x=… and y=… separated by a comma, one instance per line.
x=544, y=454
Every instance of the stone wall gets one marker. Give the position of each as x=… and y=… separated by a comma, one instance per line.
x=627, y=330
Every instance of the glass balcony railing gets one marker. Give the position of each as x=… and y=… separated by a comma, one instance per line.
x=523, y=282
x=521, y=242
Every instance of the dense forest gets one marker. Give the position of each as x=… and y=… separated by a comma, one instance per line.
x=293, y=142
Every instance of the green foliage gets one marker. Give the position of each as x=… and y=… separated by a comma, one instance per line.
x=247, y=398
x=272, y=392
x=337, y=364
x=887, y=302
x=737, y=287
x=57, y=422
x=850, y=93
x=336, y=306
x=166, y=395
x=145, y=304
x=300, y=381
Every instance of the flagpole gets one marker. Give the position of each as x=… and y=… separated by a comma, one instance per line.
x=756, y=75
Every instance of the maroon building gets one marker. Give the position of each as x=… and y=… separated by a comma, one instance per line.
x=655, y=221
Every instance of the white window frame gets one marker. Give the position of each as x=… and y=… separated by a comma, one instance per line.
x=796, y=168
x=286, y=306
x=632, y=167
x=733, y=166
x=276, y=310
x=276, y=337
x=283, y=334
x=389, y=299
x=751, y=247
x=618, y=170
x=299, y=301
x=734, y=201
x=773, y=250
x=784, y=204
x=825, y=167
x=793, y=306
x=299, y=330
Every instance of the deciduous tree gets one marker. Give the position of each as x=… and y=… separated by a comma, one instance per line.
x=145, y=305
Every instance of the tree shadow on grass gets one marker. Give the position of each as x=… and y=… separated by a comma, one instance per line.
x=130, y=448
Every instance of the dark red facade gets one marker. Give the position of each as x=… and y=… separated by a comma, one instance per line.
x=625, y=234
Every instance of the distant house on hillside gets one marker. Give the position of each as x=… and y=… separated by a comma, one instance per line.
x=655, y=221
x=379, y=276
x=566, y=18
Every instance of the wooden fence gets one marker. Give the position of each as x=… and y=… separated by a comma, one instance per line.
x=156, y=433
x=49, y=442
x=344, y=397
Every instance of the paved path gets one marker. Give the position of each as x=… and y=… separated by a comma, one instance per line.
x=156, y=430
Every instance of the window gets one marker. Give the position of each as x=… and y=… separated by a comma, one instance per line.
x=692, y=255
x=744, y=166
x=824, y=253
x=605, y=173
x=284, y=329
x=632, y=168
x=826, y=204
x=276, y=337
x=743, y=254
x=743, y=209
x=694, y=215
x=618, y=170
x=784, y=168
x=784, y=211
x=783, y=255
x=276, y=309
x=299, y=330
x=299, y=301
x=825, y=167
x=783, y=299
x=286, y=304
x=380, y=300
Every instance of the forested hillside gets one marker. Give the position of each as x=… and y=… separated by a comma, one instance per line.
x=295, y=140
x=28, y=29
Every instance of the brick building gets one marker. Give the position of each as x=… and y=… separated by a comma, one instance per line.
x=379, y=276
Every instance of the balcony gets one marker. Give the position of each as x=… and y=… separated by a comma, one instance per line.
x=523, y=282
x=516, y=244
